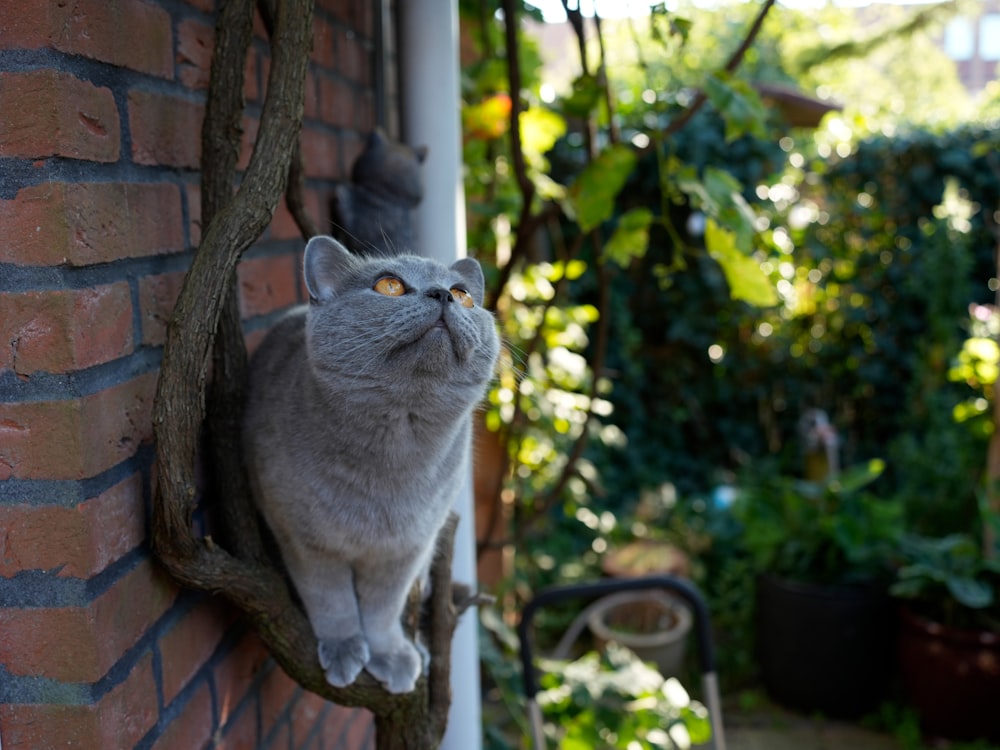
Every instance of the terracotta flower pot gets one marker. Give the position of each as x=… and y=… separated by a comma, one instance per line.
x=951, y=676
x=652, y=624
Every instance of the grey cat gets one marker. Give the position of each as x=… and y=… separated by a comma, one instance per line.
x=374, y=211
x=356, y=434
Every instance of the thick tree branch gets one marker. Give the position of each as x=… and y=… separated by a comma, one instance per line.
x=220, y=153
x=232, y=222
x=295, y=191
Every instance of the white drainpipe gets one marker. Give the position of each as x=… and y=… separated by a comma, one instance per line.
x=429, y=87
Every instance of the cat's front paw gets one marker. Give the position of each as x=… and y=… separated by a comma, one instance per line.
x=343, y=660
x=398, y=669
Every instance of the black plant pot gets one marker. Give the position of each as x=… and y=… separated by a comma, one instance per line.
x=824, y=648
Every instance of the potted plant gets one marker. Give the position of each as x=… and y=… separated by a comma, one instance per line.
x=949, y=638
x=823, y=615
x=652, y=624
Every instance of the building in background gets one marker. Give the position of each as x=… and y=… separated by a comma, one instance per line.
x=972, y=40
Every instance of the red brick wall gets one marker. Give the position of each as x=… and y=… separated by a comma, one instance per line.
x=100, y=110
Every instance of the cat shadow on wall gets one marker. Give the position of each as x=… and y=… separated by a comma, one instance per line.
x=373, y=213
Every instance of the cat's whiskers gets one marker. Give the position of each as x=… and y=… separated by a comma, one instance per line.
x=370, y=246
x=388, y=240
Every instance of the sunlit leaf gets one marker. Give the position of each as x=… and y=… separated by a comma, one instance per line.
x=746, y=280
x=630, y=238
x=719, y=195
x=540, y=129
x=592, y=195
x=739, y=104
x=487, y=119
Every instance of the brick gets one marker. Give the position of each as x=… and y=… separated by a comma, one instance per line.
x=189, y=643
x=283, y=226
x=280, y=738
x=355, y=15
x=335, y=725
x=84, y=223
x=276, y=694
x=353, y=57
x=234, y=675
x=50, y=113
x=76, y=438
x=157, y=296
x=94, y=29
x=323, y=52
x=241, y=732
x=64, y=330
x=318, y=207
x=306, y=711
x=80, y=644
x=166, y=130
x=360, y=733
x=337, y=102
x=193, y=728
x=267, y=284
x=194, y=52
x=73, y=542
x=310, y=104
x=251, y=82
x=366, y=112
x=321, y=154
x=119, y=720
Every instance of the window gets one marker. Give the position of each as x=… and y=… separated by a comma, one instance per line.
x=959, y=41
x=989, y=37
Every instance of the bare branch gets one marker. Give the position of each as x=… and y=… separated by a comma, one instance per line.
x=731, y=65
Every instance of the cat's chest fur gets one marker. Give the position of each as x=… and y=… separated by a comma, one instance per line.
x=358, y=420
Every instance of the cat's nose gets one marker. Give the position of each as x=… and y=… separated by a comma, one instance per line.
x=440, y=294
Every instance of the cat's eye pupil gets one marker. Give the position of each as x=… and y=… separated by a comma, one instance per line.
x=390, y=287
x=462, y=296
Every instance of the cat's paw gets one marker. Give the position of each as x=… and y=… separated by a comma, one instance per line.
x=398, y=669
x=343, y=660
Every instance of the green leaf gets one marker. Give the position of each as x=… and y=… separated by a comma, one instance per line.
x=584, y=97
x=856, y=477
x=747, y=282
x=970, y=592
x=739, y=104
x=592, y=195
x=719, y=195
x=630, y=238
x=540, y=129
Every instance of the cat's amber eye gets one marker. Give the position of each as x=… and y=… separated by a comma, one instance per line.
x=462, y=296
x=390, y=287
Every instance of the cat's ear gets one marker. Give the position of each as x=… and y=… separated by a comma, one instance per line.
x=472, y=274
x=325, y=265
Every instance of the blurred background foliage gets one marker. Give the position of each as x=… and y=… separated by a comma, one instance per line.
x=678, y=281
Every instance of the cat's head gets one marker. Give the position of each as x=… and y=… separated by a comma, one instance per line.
x=405, y=323
x=390, y=167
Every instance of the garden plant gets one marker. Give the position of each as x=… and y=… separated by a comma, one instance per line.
x=682, y=272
